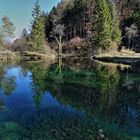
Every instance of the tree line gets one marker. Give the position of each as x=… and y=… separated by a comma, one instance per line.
x=100, y=23
x=97, y=21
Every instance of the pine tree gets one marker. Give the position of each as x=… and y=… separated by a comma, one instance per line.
x=37, y=38
x=102, y=26
x=36, y=10
x=7, y=28
x=116, y=31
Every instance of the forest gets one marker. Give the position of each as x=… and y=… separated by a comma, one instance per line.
x=73, y=74
x=79, y=28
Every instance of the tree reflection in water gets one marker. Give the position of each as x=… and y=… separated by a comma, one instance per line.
x=101, y=96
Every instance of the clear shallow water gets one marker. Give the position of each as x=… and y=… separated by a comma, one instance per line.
x=42, y=101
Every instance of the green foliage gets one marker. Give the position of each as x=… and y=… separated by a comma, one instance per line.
x=6, y=29
x=106, y=25
x=136, y=18
x=105, y=28
x=8, y=85
x=102, y=23
x=36, y=11
x=116, y=31
x=89, y=98
x=106, y=86
x=37, y=38
x=74, y=12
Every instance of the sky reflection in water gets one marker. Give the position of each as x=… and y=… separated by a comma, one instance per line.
x=69, y=102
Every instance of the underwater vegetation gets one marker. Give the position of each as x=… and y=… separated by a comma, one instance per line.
x=59, y=102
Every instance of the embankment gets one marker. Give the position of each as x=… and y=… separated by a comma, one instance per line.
x=122, y=58
x=25, y=56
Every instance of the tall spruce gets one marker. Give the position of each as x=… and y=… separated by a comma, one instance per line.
x=102, y=26
x=37, y=38
x=116, y=31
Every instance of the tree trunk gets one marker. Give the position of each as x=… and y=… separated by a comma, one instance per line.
x=59, y=42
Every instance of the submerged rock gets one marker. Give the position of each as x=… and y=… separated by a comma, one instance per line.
x=101, y=135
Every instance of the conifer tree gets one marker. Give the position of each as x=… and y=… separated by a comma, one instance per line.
x=7, y=28
x=37, y=38
x=116, y=31
x=102, y=26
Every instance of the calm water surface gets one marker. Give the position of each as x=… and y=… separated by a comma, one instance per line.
x=42, y=101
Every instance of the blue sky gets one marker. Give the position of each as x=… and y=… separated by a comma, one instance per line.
x=20, y=11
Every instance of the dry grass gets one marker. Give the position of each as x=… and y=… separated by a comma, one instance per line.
x=107, y=64
x=127, y=51
x=124, y=53
x=36, y=56
x=9, y=56
x=124, y=57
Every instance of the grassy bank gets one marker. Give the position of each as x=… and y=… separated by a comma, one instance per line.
x=35, y=56
x=25, y=56
x=124, y=57
x=9, y=56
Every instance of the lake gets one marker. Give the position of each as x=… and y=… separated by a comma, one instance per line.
x=69, y=100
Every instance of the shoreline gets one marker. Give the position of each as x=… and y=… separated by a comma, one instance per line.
x=119, y=58
x=25, y=56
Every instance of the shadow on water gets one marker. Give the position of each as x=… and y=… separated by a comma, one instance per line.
x=69, y=100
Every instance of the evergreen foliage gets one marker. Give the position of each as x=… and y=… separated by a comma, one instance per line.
x=116, y=31
x=101, y=30
x=61, y=24
x=37, y=38
x=136, y=19
x=105, y=27
x=6, y=29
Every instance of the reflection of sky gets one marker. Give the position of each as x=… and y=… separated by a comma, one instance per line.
x=21, y=101
x=22, y=83
x=131, y=120
x=23, y=94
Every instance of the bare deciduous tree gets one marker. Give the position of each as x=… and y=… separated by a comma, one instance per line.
x=131, y=33
x=58, y=28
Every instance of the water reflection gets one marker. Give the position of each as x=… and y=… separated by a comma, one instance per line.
x=63, y=101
